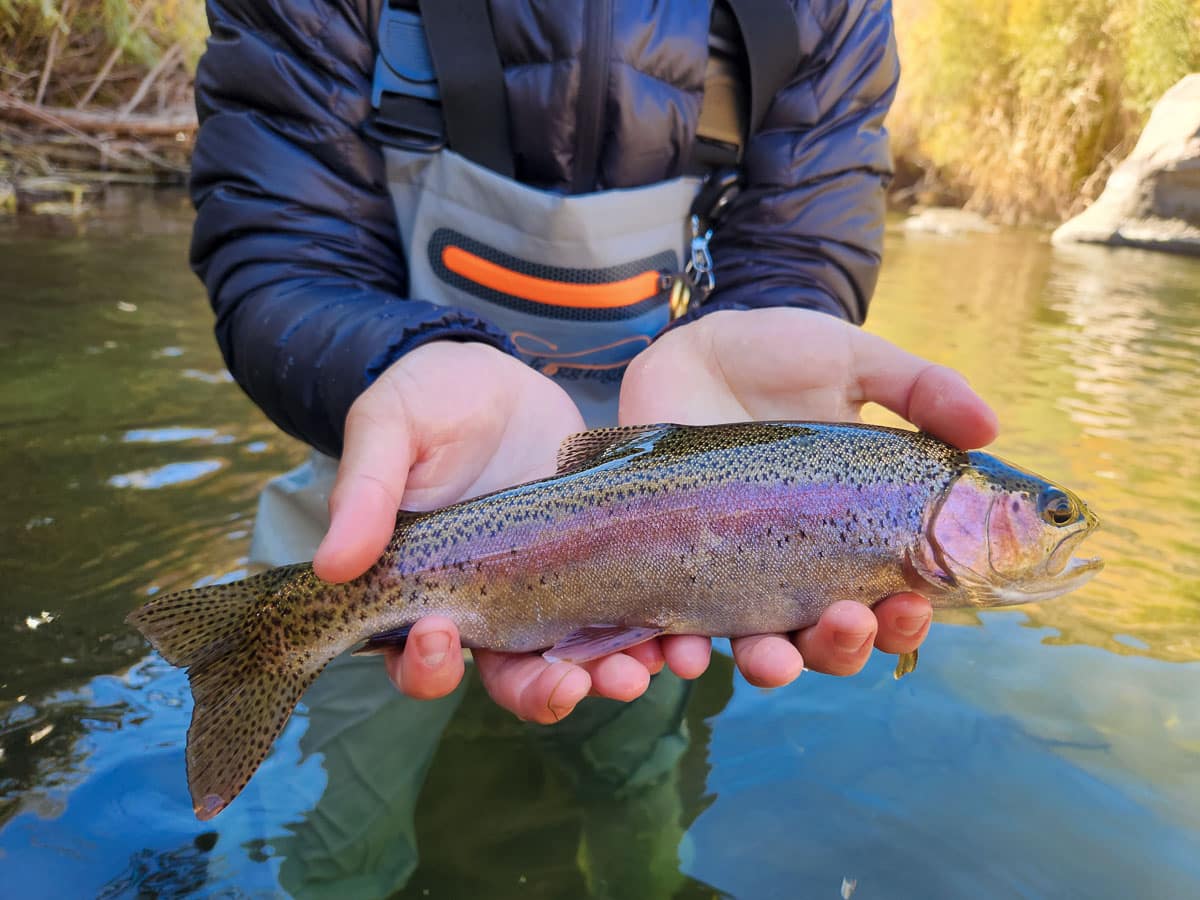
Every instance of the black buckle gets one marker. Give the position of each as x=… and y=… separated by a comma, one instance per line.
x=411, y=123
x=404, y=91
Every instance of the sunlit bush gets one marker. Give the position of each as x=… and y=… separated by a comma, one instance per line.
x=1022, y=107
x=1018, y=108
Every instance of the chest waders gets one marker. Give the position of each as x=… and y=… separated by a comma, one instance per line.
x=582, y=283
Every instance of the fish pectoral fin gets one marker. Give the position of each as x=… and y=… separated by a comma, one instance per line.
x=905, y=663
x=593, y=641
x=395, y=639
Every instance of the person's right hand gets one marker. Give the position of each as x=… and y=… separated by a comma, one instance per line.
x=449, y=421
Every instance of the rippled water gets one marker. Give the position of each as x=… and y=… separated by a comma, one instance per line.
x=1050, y=750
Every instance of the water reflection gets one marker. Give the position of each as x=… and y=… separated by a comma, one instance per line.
x=166, y=475
x=175, y=434
x=1051, y=750
x=1090, y=357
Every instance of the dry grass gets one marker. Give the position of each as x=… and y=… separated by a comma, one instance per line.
x=1017, y=109
x=1020, y=108
x=101, y=88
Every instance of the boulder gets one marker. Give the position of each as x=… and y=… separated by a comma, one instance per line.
x=947, y=221
x=1152, y=199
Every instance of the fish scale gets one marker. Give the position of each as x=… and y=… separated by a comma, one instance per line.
x=666, y=529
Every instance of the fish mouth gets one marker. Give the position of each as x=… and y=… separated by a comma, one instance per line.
x=1078, y=571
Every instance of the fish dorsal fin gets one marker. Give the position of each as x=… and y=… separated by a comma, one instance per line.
x=578, y=451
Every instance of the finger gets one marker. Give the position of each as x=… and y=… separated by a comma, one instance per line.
x=431, y=665
x=840, y=643
x=370, y=481
x=618, y=677
x=687, y=654
x=934, y=398
x=530, y=687
x=649, y=654
x=767, y=660
x=903, y=622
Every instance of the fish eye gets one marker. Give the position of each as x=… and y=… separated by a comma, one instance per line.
x=1057, y=508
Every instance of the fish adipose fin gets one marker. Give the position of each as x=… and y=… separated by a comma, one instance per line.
x=245, y=677
x=578, y=451
x=593, y=641
x=384, y=641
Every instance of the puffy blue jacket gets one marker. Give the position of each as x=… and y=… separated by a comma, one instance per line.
x=295, y=237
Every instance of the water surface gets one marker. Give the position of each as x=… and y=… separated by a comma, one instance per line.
x=1051, y=750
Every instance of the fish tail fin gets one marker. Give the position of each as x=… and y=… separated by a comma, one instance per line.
x=246, y=677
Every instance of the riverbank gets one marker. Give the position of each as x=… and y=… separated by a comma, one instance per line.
x=1018, y=110
x=93, y=93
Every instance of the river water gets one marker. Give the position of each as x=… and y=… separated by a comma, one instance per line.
x=1051, y=750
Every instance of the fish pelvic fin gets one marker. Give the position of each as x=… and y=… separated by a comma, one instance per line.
x=245, y=677
x=594, y=641
x=906, y=663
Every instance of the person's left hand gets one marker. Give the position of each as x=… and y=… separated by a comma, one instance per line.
x=735, y=366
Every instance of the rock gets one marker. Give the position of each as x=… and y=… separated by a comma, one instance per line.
x=53, y=196
x=1152, y=199
x=948, y=221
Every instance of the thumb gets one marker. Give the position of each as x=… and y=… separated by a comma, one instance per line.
x=376, y=457
x=936, y=399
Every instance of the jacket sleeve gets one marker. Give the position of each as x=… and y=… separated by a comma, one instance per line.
x=807, y=228
x=295, y=238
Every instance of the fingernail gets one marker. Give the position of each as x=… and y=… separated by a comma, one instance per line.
x=851, y=641
x=433, y=647
x=910, y=625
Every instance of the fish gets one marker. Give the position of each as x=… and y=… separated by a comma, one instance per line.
x=718, y=530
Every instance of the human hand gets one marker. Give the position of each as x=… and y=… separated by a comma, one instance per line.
x=734, y=366
x=449, y=421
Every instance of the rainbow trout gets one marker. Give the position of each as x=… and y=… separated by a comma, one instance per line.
x=722, y=530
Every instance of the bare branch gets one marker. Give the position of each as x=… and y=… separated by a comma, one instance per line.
x=173, y=54
x=114, y=56
x=62, y=25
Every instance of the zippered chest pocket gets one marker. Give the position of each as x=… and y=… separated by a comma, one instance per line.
x=581, y=283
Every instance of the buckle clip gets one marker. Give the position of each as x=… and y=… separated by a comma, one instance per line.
x=699, y=266
x=404, y=90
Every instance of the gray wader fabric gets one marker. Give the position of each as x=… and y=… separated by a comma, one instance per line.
x=377, y=745
x=443, y=200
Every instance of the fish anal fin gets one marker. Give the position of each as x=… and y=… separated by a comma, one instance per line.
x=395, y=639
x=593, y=641
x=577, y=451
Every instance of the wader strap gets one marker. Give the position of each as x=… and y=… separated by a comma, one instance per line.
x=470, y=81
x=772, y=42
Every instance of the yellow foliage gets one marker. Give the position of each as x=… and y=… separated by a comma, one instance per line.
x=1022, y=107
